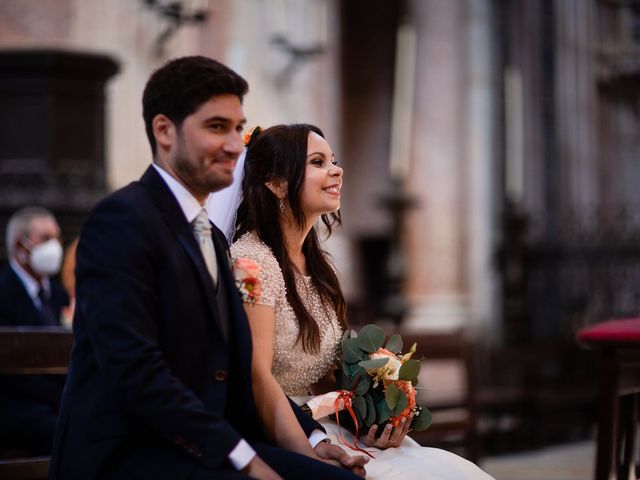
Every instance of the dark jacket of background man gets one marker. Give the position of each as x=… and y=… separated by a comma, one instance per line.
x=29, y=404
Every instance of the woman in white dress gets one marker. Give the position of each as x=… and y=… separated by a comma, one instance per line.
x=291, y=180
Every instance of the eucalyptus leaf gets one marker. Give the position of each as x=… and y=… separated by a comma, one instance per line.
x=363, y=384
x=409, y=370
x=394, y=344
x=370, y=338
x=360, y=406
x=392, y=395
x=422, y=421
x=401, y=405
x=343, y=381
x=351, y=352
x=382, y=411
x=374, y=364
x=353, y=370
x=349, y=368
x=346, y=335
x=360, y=420
x=371, y=411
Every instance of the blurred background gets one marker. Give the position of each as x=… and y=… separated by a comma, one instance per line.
x=491, y=151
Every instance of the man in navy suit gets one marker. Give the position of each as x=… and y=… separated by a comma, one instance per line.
x=159, y=384
x=29, y=296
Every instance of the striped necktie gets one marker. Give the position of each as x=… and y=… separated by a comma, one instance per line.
x=202, y=230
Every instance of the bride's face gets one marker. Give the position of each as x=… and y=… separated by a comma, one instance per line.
x=320, y=191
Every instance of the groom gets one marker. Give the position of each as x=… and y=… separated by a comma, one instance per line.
x=159, y=384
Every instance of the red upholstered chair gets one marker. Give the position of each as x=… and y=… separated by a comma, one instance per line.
x=618, y=342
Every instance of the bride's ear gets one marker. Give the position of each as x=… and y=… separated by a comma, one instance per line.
x=278, y=188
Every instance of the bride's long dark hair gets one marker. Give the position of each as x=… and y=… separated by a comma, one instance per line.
x=280, y=154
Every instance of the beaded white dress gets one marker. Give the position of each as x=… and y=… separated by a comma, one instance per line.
x=296, y=370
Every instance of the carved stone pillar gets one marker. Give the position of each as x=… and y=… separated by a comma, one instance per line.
x=436, y=284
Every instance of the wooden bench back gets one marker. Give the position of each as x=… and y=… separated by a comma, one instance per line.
x=450, y=358
x=34, y=350
x=28, y=351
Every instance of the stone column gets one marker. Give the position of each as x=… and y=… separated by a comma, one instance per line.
x=484, y=195
x=436, y=248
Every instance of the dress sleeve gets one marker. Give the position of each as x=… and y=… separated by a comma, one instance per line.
x=270, y=276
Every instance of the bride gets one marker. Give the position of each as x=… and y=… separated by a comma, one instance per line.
x=291, y=180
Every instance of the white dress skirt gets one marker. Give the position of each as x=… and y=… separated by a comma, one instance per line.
x=409, y=461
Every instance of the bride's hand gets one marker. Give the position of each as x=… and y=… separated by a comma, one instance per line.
x=390, y=437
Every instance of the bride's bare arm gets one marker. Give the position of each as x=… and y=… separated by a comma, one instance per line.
x=273, y=406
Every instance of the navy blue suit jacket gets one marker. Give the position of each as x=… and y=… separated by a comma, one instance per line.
x=150, y=370
x=17, y=307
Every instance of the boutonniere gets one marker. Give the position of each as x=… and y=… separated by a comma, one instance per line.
x=245, y=274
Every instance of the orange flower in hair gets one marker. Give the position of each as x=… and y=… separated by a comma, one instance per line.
x=250, y=135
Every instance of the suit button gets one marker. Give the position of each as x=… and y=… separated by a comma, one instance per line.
x=220, y=375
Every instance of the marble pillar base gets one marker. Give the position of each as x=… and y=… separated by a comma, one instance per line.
x=437, y=313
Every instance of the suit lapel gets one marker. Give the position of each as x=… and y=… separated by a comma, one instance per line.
x=177, y=223
x=238, y=324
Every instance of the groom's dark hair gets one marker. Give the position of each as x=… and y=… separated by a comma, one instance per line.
x=179, y=87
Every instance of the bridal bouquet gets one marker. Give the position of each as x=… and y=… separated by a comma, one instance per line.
x=378, y=383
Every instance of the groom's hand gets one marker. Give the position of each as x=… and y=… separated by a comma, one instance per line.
x=258, y=469
x=336, y=455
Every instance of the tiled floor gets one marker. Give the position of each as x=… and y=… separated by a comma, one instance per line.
x=575, y=461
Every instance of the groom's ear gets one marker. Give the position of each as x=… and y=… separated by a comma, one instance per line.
x=277, y=187
x=164, y=131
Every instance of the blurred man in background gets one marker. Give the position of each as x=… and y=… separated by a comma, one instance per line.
x=30, y=296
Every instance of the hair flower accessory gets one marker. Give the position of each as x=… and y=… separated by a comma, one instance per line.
x=245, y=274
x=250, y=135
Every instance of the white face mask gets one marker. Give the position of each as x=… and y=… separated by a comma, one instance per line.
x=46, y=257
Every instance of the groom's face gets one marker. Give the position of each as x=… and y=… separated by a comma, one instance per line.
x=208, y=144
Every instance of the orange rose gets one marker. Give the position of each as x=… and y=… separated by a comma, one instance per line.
x=410, y=392
x=390, y=370
x=245, y=273
x=245, y=267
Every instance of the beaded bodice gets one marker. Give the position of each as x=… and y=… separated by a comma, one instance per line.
x=294, y=369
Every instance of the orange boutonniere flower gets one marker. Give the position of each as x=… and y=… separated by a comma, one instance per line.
x=246, y=275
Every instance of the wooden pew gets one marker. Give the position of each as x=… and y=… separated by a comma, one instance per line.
x=28, y=351
x=454, y=407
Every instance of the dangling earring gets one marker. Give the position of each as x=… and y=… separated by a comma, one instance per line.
x=281, y=205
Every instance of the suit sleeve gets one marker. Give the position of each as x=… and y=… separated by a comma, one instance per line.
x=308, y=424
x=117, y=275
